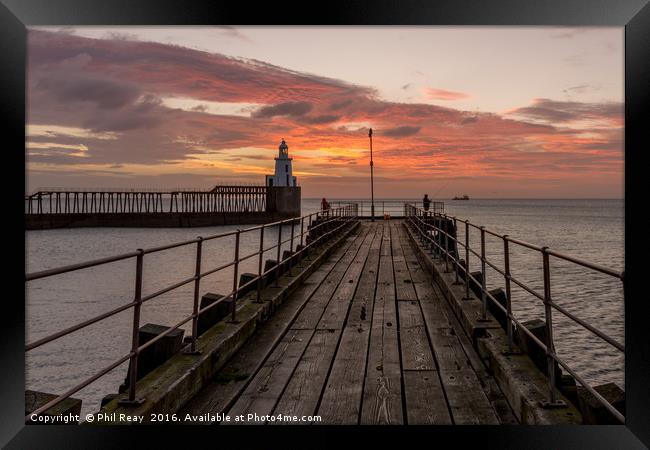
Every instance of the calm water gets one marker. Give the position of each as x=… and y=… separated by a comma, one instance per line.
x=589, y=229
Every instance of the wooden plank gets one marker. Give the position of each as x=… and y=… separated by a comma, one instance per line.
x=414, y=343
x=341, y=400
x=467, y=401
x=382, y=403
x=427, y=294
x=409, y=314
x=382, y=397
x=489, y=385
x=304, y=389
x=466, y=390
x=262, y=393
x=360, y=315
x=262, y=396
x=337, y=308
x=311, y=314
x=425, y=400
x=418, y=273
x=416, y=352
x=236, y=374
x=449, y=353
x=403, y=280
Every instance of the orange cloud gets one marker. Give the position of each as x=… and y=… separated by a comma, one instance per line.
x=116, y=88
x=442, y=94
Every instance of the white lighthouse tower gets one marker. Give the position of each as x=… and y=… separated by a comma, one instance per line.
x=283, y=176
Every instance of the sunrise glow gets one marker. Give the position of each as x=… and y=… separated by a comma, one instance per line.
x=492, y=112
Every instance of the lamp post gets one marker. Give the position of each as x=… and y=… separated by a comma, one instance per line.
x=372, y=182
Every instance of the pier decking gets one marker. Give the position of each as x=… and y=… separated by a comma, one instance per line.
x=366, y=339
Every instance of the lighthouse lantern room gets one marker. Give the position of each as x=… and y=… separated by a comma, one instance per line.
x=283, y=172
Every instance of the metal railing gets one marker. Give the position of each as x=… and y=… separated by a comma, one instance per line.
x=113, y=201
x=137, y=189
x=326, y=223
x=394, y=208
x=429, y=227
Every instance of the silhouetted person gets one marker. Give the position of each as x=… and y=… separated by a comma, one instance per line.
x=426, y=202
x=324, y=205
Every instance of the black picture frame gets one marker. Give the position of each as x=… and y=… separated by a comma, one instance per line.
x=634, y=15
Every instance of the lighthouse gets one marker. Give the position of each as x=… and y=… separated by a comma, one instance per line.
x=283, y=176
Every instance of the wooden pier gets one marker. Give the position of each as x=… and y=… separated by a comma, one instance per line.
x=368, y=339
x=355, y=322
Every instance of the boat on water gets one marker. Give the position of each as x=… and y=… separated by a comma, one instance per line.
x=464, y=197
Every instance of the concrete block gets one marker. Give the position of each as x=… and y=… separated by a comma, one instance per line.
x=461, y=271
x=567, y=386
x=523, y=384
x=593, y=412
x=500, y=316
x=270, y=264
x=209, y=318
x=244, y=278
x=158, y=353
x=107, y=399
x=36, y=399
x=475, y=286
x=304, y=253
x=537, y=354
x=285, y=257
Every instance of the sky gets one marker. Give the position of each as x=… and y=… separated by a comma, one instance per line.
x=492, y=112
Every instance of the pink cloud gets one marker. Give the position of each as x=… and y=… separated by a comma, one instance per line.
x=108, y=85
x=442, y=94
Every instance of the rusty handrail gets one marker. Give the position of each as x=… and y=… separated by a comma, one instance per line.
x=340, y=217
x=425, y=224
x=395, y=208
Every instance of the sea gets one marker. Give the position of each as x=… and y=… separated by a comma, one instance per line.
x=589, y=229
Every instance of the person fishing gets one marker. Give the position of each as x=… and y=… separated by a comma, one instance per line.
x=324, y=205
x=426, y=203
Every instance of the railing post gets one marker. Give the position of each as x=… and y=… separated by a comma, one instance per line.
x=135, y=338
x=235, y=278
x=506, y=269
x=291, y=258
x=432, y=229
x=457, y=260
x=197, y=286
x=483, y=277
x=438, y=238
x=277, y=266
x=259, y=266
x=550, y=347
x=302, y=235
x=446, y=245
x=467, y=297
x=432, y=236
x=309, y=227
